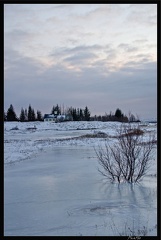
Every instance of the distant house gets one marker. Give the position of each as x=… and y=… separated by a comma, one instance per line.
x=50, y=118
x=57, y=118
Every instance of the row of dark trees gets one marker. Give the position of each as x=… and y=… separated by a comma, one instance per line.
x=79, y=114
x=25, y=115
x=76, y=114
x=117, y=116
x=30, y=115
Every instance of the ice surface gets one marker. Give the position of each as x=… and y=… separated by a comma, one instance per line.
x=57, y=190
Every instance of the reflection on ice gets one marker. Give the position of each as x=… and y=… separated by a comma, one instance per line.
x=62, y=193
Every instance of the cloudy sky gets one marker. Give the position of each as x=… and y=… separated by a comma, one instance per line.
x=103, y=56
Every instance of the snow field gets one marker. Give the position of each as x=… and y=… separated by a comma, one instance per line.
x=22, y=144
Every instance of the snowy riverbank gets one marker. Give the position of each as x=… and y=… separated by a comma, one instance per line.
x=31, y=138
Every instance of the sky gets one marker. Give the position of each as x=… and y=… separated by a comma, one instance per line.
x=103, y=56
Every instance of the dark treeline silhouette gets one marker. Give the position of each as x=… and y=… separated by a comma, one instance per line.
x=79, y=114
x=117, y=116
x=75, y=114
x=26, y=115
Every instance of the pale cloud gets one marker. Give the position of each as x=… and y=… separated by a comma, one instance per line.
x=146, y=15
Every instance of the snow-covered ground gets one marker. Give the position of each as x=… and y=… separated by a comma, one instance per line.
x=58, y=190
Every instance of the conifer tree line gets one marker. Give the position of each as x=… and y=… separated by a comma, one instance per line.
x=75, y=114
x=26, y=115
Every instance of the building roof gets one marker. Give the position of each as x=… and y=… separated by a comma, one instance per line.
x=49, y=116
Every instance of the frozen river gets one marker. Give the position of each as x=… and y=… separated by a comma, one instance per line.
x=62, y=193
x=59, y=192
x=42, y=196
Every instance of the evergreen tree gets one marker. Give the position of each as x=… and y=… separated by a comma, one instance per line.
x=118, y=113
x=74, y=114
x=86, y=114
x=81, y=115
x=22, y=115
x=33, y=116
x=39, y=116
x=11, y=115
x=29, y=115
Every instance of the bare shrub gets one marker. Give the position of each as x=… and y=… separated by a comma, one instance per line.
x=128, y=159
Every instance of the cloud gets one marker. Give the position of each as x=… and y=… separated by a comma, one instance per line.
x=95, y=55
x=145, y=14
x=80, y=58
x=17, y=39
x=24, y=79
x=29, y=74
x=127, y=47
x=103, y=58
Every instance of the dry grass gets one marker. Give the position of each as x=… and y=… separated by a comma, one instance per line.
x=133, y=132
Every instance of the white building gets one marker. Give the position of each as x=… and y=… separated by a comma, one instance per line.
x=57, y=118
x=50, y=118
